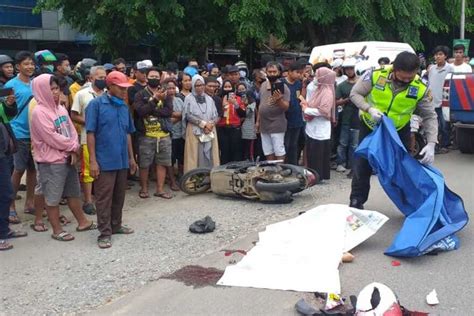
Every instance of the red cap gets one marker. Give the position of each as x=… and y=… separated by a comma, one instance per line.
x=117, y=78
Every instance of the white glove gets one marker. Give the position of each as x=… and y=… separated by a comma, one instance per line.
x=375, y=113
x=428, y=153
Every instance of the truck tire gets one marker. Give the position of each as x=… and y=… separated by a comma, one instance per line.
x=465, y=140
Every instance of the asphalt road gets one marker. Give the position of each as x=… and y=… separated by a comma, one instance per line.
x=451, y=273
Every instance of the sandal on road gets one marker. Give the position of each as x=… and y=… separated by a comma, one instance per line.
x=143, y=195
x=92, y=226
x=39, y=227
x=63, y=236
x=13, y=217
x=164, y=195
x=174, y=188
x=16, y=234
x=124, y=230
x=5, y=245
x=104, y=243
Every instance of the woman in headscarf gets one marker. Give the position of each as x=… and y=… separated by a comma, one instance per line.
x=200, y=117
x=319, y=114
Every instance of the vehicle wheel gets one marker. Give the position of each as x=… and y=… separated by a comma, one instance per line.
x=418, y=146
x=465, y=140
x=291, y=186
x=196, y=181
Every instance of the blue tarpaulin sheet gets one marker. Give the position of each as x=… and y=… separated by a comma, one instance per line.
x=433, y=212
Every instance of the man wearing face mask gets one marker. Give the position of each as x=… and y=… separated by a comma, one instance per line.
x=154, y=141
x=78, y=110
x=62, y=68
x=395, y=91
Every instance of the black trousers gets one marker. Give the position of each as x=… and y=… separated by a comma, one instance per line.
x=292, y=136
x=230, y=144
x=361, y=169
x=318, y=154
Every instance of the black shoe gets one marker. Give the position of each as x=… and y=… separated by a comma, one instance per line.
x=356, y=204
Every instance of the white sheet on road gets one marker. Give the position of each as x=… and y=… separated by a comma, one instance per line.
x=303, y=253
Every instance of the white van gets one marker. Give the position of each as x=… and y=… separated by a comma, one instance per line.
x=369, y=51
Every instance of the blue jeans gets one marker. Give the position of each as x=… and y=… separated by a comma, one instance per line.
x=348, y=142
x=443, y=129
x=6, y=195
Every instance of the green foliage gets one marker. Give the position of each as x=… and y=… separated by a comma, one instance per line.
x=187, y=26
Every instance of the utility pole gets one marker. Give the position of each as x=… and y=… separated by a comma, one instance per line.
x=463, y=17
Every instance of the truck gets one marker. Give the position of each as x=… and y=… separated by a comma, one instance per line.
x=458, y=107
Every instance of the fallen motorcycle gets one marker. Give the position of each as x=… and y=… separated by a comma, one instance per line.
x=267, y=181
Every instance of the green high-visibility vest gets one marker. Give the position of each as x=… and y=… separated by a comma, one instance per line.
x=398, y=107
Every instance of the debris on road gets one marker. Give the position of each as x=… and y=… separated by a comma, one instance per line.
x=347, y=257
x=379, y=299
x=396, y=263
x=432, y=298
x=202, y=226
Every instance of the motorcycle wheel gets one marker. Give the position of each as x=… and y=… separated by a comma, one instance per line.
x=291, y=186
x=419, y=144
x=196, y=181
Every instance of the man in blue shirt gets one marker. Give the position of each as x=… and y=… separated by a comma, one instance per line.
x=109, y=127
x=294, y=115
x=22, y=159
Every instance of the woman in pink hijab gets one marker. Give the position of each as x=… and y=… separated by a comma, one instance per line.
x=319, y=114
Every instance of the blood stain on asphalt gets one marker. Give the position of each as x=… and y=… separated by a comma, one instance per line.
x=196, y=276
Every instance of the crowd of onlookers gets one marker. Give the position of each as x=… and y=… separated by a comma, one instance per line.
x=82, y=133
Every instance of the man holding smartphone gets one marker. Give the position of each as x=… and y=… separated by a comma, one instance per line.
x=271, y=119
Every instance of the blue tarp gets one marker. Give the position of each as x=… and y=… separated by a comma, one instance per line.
x=433, y=212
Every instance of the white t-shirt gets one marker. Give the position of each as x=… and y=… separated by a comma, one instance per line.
x=463, y=68
x=319, y=127
x=79, y=105
x=436, y=77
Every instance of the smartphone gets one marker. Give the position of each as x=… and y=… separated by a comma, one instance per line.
x=278, y=86
x=6, y=92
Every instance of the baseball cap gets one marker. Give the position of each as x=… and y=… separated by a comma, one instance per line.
x=144, y=65
x=117, y=78
x=232, y=68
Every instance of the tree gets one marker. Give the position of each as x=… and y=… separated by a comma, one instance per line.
x=114, y=23
x=190, y=26
x=328, y=21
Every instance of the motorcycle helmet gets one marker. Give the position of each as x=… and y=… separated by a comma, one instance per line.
x=5, y=59
x=191, y=71
x=361, y=67
x=45, y=56
x=349, y=63
x=377, y=299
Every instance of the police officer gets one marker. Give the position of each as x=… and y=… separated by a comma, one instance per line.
x=396, y=91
